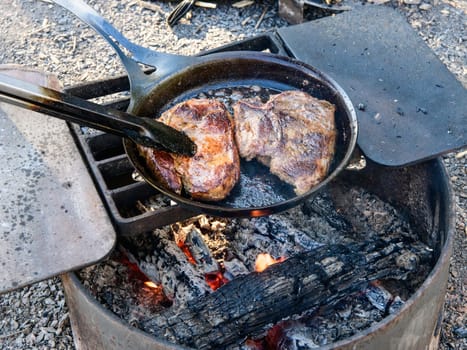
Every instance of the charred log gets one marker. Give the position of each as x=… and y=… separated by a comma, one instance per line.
x=307, y=280
x=155, y=253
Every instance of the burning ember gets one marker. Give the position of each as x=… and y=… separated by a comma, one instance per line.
x=264, y=260
x=191, y=241
x=186, y=250
x=215, y=279
x=329, y=245
x=142, y=285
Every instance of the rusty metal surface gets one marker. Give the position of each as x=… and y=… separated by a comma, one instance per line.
x=97, y=328
x=415, y=326
x=411, y=107
x=51, y=217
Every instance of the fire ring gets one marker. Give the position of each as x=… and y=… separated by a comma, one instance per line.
x=415, y=326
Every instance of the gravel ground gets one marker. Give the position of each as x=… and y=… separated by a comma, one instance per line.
x=38, y=34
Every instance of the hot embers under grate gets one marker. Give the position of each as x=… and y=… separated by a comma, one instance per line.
x=423, y=198
x=400, y=264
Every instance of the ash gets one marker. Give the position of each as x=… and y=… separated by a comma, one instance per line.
x=342, y=214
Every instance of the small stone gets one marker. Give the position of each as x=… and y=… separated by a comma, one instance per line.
x=30, y=339
x=412, y=2
x=39, y=337
x=14, y=325
x=49, y=301
x=425, y=7
x=460, y=332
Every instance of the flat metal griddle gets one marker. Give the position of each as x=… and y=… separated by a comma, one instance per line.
x=51, y=216
x=414, y=108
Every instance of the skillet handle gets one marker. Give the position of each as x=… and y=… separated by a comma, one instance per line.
x=158, y=60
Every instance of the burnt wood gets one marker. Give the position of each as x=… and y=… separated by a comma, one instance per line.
x=305, y=281
x=181, y=280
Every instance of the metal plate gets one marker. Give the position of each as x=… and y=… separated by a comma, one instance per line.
x=51, y=218
x=415, y=109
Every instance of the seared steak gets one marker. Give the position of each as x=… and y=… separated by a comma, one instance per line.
x=215, y=168
x=293, y=134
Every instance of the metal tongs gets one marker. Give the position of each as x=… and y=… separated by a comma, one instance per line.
x=145, y=131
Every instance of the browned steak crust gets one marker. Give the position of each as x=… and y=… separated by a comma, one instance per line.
x=293, y=133
x=215, y=168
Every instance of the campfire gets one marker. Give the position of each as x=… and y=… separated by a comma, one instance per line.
x=308, y=277
x=359, y=258
x=366, y=260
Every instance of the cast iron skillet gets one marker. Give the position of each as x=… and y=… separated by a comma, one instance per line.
x=178, y=78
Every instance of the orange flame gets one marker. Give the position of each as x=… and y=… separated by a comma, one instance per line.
x=151, y=284
x=264, y=260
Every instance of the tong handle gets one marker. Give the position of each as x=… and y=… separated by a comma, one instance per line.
x=145, y=131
